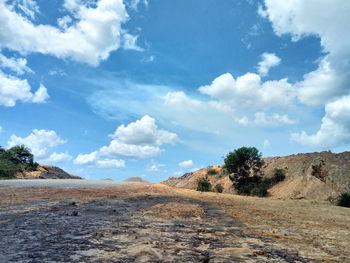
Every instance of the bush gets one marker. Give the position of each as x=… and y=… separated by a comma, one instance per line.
x=344, y=199
x=219, y=188
x=259, y=190
x=278, y=176
x=204, y=185
x=211, y=171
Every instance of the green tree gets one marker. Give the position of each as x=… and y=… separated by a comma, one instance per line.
x=244, y=165
x=16, y=159
x=20, y=154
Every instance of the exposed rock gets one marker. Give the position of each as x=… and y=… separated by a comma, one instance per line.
x=320, y=176
x=46, y=172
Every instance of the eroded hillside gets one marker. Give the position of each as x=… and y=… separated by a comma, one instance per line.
x=311, y=176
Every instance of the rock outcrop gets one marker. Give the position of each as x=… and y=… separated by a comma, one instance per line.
x=46, y=172
x=319, y=176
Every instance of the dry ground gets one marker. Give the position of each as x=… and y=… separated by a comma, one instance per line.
x=261, y=229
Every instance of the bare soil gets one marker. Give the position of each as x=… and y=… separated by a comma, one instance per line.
x=157, y=223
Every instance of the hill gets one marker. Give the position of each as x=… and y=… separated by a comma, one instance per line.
x=135, y=179
x=46, y=172
x=319, y=176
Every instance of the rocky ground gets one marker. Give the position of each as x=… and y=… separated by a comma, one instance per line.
x=157, y=223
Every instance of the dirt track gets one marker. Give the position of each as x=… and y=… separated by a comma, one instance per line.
x=156, y=223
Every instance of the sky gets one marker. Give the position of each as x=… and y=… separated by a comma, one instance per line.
x=158, y=88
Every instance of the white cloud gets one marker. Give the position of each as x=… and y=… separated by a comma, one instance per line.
x=13, y=89
x=129, y=42
x=249, y=91
x=186, y=164
x=40, y=95
x=87, y=159
x=41, y=143
x=93, y=160
x=143, y=131
x=120, y=149
x=335, y=126
x=95, y=33
x=139, y=139
x=154, y=167
x=110, y=163
x=268, y=61
x=329, y=20
x=64, y=22
x=1, y=129
x=262, y=119
x=134, y=4
x=19, y=65
x=58, y=157
x=29, y=7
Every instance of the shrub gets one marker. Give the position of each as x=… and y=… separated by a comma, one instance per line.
x=204, y=185
x=211, y=171
x=278, y=176
x=219, y=188
x=259, y=190
x=344, y=199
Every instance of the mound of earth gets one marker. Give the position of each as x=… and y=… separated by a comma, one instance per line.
x=46, y=172
x=321, y=176
x=135, y=179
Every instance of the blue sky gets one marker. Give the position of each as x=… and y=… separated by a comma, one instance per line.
x=156, y=88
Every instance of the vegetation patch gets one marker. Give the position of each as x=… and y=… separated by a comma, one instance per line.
x=212, y=171
x=219, y=188
x=16, y=159
x=204, y=185
x=344, y=199
x=244, y=167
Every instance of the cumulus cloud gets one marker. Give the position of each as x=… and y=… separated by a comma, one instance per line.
x=42, y=144
x=335, y=126
x=329, y=21
x=110, y=163
x=17, y=65
x=249, y=91
x=120, y=149
x=268, y=61
x=13, y=89
x=262, y=119
x=186, y=164
x=95, y=33
x=143, y=131
x=58, y=157
x=139, y=139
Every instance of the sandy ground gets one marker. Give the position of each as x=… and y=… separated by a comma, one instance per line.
x=176, y=224
x=64, y=183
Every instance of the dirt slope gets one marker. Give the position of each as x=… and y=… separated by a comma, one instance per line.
x=311, y=176
x=46, y=172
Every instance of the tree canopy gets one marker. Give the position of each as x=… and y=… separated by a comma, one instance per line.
x=16, y=159
x=244, y=165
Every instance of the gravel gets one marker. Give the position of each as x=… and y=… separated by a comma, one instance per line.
x=64, y=183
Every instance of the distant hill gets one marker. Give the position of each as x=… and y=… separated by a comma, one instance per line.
x=135, y=179
x=319, y=176
x=46, y=172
